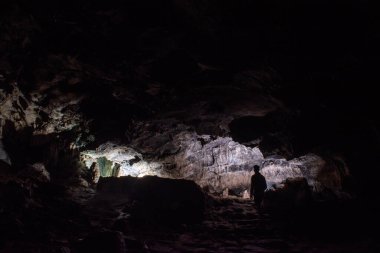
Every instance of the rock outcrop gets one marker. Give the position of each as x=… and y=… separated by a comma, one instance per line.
x=39, y=109
x=320, y=173
x=114, y=160
x=214, y=163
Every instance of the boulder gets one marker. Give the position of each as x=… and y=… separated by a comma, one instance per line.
x=158, y=200
x=295, y=194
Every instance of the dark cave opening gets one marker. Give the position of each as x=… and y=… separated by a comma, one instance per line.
x=247, y=128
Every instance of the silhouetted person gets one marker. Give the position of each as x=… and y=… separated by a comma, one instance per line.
x=258, y=186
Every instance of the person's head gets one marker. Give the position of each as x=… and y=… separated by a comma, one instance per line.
x=256, y=168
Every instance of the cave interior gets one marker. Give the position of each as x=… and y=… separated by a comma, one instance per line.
x=134, y=126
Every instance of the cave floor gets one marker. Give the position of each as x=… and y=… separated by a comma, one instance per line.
x=230, y=225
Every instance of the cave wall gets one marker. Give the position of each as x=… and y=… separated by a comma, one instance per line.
x=155, y=77
x=216, y=164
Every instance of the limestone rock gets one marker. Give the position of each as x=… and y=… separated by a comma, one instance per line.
x=15, y=107
x=318, y=172
x=215, y=163
x=276, y=171
x=118, y=160
x=246, y=195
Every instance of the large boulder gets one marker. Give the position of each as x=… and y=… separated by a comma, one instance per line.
x=158, y=200
x=294, y=195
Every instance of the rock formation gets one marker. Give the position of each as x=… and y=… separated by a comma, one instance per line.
x=214, y=163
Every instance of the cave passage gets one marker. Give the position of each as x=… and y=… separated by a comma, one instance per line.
x=134, y=126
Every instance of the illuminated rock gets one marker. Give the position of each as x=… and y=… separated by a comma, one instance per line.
x=276, y=171
x=246, y=195
x=319, y=173
x=15, y=107
x=113, y=160
x=215, y=163
x=25, y=110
